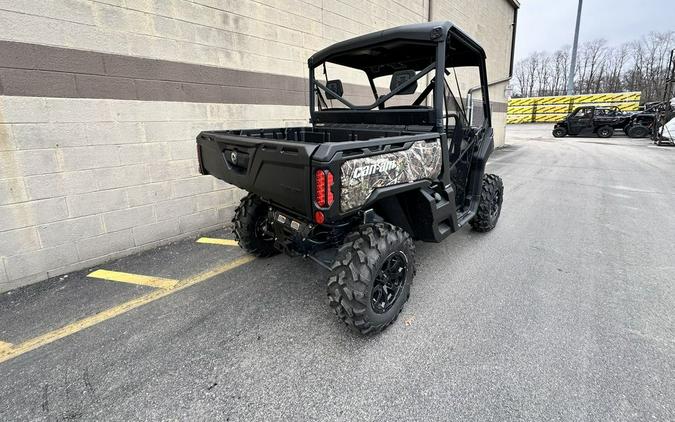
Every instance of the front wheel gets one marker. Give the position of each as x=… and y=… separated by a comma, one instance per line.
x=370, y=280
x=490, y=206
x=605, y=132
x=250, y=227
x=559, y=132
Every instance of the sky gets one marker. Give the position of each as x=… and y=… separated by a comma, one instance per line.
x=546, y=25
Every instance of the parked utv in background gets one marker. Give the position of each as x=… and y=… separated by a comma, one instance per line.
x=641, y=123
x=365, y=180
x=589, y=120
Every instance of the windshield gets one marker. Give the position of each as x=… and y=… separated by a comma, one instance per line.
x=356, y=87
x=583, y=112
x=340, y=87
x=606, y=111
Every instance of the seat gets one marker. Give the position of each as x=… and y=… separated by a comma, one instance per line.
x=456, y=139
x=399, y=78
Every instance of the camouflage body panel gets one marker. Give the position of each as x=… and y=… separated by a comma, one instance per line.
x=361, y=176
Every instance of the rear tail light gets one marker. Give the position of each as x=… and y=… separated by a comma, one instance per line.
x=329, y=188
x=320, y=185
x=323, y=188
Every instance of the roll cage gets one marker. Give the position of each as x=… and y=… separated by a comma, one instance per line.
x=417, y=49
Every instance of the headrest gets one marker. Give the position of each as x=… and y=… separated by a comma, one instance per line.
x=399, y=78
x=336, y=86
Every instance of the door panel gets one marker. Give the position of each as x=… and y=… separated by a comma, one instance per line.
x=581, y=123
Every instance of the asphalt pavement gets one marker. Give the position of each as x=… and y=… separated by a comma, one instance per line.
x=566, y=311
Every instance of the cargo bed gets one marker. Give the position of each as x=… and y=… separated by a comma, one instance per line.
x=276, y=163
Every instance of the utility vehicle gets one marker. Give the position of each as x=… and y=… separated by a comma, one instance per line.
x=374, y=171
x=588, y=120
x=641, y=123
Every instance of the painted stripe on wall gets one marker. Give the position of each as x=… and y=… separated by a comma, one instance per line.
x=41, y=71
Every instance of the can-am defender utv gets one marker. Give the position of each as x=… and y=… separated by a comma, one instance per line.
x=641, y=123
x=588, y=120
x=373, y=171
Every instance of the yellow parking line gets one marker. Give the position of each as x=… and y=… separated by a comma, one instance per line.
x=87, y=322
x=5, y=347
x=144, y=280
x=213, y=241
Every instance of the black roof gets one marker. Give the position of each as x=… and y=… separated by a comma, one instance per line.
x=409, y=46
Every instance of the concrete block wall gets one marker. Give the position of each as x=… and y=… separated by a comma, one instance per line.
x=105, y=184
x=492, y=26
x=100, y=103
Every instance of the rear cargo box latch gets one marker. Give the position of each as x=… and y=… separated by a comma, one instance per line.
x=236, y=160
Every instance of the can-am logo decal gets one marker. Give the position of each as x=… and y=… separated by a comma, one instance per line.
x=378, y=167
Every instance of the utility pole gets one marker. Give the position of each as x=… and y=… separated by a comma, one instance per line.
x=573, y=63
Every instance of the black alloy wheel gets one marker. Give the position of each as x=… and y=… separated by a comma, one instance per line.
x=389, y=282
x=370, y=280
x=605, y=132
x=559, y=132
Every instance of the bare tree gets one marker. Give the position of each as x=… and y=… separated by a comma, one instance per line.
x=636, y=66
x=560, y=69
x=542, y=72
x=589, y=64
x=656, y=46
x=633, y=76
x=525, y=74
x=521, y=79
x=531, y=67
x=616, y=62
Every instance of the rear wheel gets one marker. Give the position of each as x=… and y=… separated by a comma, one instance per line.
x=250, y=227
x=559, y=132
x=490, y=206
x=638, y=131
x=605, y=132
x=370, y=280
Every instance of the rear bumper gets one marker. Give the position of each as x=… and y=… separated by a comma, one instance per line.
x=276, y=170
